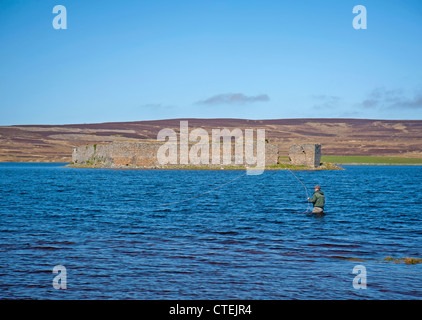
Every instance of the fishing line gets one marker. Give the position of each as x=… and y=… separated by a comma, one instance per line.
x=238, y=177
x=306, y=189
x=228, y=182
x=201, y=194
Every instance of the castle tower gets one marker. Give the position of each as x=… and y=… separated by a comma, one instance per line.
x=305, y=155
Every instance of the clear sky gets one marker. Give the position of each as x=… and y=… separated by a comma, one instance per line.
x=252, y=59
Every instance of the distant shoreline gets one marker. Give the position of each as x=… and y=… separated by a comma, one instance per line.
x=203, y=168
x=334, y=166
x=370, y=160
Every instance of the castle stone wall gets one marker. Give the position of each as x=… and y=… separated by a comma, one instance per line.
x=144, y=154
x=305, y=155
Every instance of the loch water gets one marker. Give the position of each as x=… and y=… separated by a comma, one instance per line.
x=208, y=234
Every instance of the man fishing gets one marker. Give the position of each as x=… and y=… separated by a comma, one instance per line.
x=318, y=200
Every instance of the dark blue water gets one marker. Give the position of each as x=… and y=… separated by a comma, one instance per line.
x=246, y=240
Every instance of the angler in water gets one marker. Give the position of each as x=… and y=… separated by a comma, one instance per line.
x=318, y=200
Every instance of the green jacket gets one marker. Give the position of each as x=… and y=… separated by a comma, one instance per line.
x=318, y=199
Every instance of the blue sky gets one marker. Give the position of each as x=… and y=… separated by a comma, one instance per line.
x=147, y=60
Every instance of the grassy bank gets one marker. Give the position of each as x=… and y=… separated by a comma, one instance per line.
x=371, y=160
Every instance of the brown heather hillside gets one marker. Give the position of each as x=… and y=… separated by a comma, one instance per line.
x=53, y=143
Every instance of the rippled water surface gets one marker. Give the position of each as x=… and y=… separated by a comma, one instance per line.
x=249, y=239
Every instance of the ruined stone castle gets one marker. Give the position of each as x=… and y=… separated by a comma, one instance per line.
x=144, y=154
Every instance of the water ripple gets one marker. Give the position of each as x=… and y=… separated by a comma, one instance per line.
x=245, y=240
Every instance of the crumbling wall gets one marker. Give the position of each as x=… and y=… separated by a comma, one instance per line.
x=144, y=154
x=306, y=155
x=118, y=154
